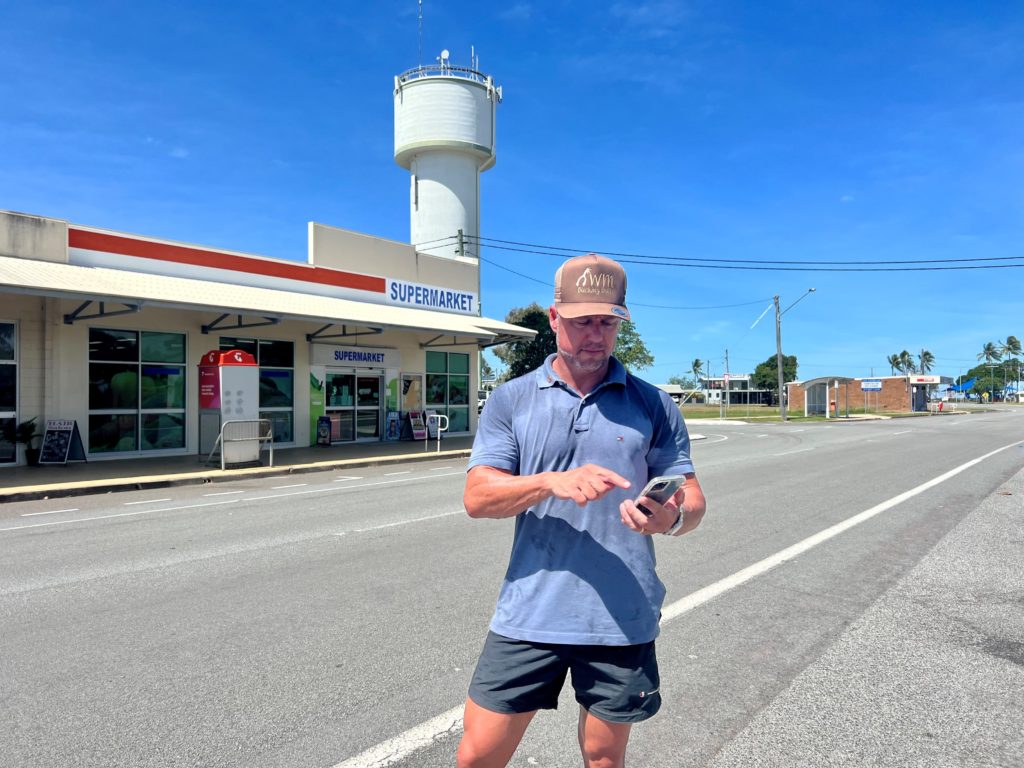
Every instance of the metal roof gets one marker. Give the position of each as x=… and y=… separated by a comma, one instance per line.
x=824, y=380
x=69, y=281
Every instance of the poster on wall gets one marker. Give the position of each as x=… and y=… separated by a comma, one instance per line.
x=393, y=426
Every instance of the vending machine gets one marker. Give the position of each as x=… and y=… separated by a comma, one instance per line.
x=229, y=390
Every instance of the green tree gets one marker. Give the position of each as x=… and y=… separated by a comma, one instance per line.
x=683, y=381
x=990, y=353
x=894, y=363
x=630, y=349
x=697, y=366
x=766, y=374
x=926, y=361
x=486, y=372
x=1009, y=350
x=906, y=365
x=524, y=355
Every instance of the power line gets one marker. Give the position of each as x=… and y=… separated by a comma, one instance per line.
x=671, y=261
x=760, y=265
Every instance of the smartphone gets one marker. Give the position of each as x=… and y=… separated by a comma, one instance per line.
x=661, y=489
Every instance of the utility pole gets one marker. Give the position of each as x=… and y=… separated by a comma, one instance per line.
x=778, y=356
x=727, y=398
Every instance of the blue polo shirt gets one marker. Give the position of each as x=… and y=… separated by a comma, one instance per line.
x=577, y=575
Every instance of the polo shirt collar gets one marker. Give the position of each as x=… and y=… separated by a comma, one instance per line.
x=548, y=377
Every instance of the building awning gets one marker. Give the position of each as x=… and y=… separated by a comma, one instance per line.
x=136, y=289
x=824, y=380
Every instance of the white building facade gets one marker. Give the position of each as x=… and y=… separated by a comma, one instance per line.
x=107, y=329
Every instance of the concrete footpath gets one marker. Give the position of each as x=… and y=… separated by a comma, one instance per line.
x=107, y=476
x=932, y=675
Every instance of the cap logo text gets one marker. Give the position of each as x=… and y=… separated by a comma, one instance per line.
x=591, y=282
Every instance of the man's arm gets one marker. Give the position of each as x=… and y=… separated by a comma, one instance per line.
x=496, y=493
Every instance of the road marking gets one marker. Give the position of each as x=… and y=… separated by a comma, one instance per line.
x=403, y=522
x=147, y=501
x=762, y=435
x=797, y=430
x=349, y=487
x=223, y=493
x=438, y=469
x=295, y=485
x=346, y=478
x=449, y=723
x=52, y=512
x=904, y=432
x=798, y=450
x=121, y=514
x=403, y=472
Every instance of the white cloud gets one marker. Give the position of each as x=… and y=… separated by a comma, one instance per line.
x=658, y=18
x=179, y=153
x=518, y=12
x=846, y=199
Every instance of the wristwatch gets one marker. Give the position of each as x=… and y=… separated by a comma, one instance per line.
x=676, y=525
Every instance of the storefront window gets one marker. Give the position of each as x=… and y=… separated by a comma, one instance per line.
x=136, y=391
x=276, y=360
x=8, y=390
x=448, y=387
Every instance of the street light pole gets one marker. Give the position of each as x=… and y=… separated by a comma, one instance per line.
x=778, y=356
x=778, y=345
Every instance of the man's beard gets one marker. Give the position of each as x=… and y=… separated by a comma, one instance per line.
x=590, y=365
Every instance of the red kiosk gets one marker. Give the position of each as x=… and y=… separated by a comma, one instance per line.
x=229, y=390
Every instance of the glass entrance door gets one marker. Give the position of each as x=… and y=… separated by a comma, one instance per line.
x=353, y=405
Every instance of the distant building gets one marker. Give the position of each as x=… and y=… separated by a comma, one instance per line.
x=736, y=389
x=876, y=393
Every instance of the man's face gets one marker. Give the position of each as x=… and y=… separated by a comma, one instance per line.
x=584, y=343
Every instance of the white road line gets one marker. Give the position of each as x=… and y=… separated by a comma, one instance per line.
x=762, y=435
x=403, y=472
x=346, y=488
x=798, y=450
x=404, y=744
x=147, y=501
x=346, y=478
x=51, y=512
x=122, y=514
x=294, y=485
x=403, y=522
x=223, y=493
x=797, y=430
x=438, y=469
x=398, y=748
x=904, y=432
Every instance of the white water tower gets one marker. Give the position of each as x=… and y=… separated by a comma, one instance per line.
x=444, y=136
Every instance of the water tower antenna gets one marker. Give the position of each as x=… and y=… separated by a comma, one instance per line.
x=421, y=33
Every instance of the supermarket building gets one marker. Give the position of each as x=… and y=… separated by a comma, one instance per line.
x=108, y=329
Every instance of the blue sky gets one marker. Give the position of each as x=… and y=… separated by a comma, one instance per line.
x=802, y=131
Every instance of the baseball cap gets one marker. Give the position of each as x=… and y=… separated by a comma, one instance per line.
x=591, y=285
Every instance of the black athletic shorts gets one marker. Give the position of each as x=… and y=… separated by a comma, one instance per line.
x=617, y=683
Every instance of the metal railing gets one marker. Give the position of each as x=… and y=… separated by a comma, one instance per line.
x=246, y=431
x=439, y=427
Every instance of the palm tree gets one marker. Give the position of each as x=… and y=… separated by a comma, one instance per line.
x=990, y=353
x=697, y=366
x=1010, y=349
x=894, y=363
x=926, y=361
x=906, y=362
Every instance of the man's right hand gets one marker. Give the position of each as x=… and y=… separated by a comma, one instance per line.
x=584, y=484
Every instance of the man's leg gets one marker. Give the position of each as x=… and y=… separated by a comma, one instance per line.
x=603, y=744
x=489, y=739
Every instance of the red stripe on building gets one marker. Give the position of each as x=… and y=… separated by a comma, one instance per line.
x=180, y=254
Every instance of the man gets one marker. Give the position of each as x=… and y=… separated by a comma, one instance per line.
x=566, y=449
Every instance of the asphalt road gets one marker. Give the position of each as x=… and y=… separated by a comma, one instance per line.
x=281, y=623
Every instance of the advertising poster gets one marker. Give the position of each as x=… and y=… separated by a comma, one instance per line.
x=317, y=375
